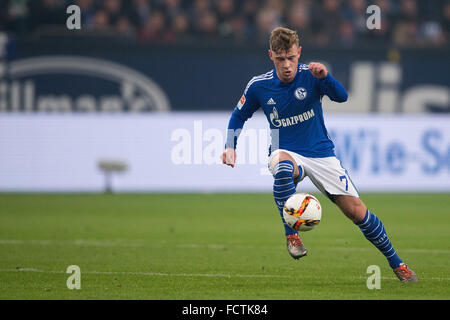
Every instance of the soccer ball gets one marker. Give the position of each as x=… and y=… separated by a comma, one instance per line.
x=302, y=212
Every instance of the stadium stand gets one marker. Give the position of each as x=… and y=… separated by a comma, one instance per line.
x=405, y=23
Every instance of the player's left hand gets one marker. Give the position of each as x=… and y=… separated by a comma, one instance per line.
x=318, y=70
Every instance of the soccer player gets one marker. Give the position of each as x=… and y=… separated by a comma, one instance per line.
x=290, y=96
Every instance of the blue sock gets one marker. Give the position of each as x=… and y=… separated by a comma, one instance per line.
x=283, y=188
x=373, y=229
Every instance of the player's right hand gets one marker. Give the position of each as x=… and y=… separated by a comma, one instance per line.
x=229, y=157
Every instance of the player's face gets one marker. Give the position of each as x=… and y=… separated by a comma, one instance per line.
x=286, y=63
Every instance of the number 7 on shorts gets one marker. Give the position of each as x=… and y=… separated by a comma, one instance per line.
x=344, y=177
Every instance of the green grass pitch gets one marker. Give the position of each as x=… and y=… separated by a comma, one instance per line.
x=213, y=246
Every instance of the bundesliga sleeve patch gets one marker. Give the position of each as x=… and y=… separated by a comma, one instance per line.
x=241, y=102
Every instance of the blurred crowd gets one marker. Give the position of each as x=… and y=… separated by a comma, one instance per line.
x=408, y=23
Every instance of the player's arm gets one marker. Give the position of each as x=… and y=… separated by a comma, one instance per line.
x=245, y=108
x=235, y=126
x=327, y=84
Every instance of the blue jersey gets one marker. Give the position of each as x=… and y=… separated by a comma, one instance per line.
x=294, y=111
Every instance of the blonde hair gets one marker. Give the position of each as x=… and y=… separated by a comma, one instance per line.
x=282, y=39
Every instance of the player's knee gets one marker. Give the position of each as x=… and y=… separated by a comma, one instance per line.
x=354, y=214
x=357, y=211
x=283, y=169
x=283, y=157
x=352, y=207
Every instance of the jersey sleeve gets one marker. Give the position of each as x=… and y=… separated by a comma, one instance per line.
x=246, y=106
x=332, y=88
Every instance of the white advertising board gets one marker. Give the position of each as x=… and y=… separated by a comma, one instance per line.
x=180, y=152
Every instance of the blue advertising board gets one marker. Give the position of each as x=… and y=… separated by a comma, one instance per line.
x=104, y=76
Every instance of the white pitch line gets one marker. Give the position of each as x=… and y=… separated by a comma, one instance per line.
x=144, y=243
x=424, y=251
x=152, y=274
x=118, y=243
x=210, y=275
